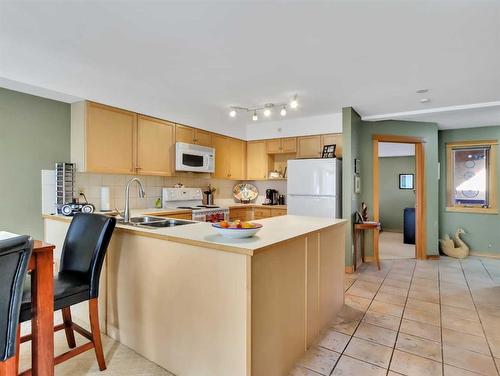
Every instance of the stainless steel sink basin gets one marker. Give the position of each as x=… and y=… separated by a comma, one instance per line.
x=153, y=222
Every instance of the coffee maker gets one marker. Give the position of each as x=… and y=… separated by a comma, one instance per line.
x=272, y=197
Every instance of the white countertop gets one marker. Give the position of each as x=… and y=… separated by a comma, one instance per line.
x=274, y=230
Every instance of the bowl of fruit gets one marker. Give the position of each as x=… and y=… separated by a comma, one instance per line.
x=237, y=229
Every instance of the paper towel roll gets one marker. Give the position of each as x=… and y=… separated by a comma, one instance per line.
x=105, y=199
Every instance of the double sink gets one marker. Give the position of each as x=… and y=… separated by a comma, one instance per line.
x=153, y=222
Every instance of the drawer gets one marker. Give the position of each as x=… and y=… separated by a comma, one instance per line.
x=277, y=212
x=259, y=213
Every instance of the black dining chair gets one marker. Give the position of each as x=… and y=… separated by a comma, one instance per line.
x=14, y=257
x=82, y=257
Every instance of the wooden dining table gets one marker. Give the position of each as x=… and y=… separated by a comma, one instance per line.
x=41, y=266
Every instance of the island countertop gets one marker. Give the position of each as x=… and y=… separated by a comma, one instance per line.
x=275, y=230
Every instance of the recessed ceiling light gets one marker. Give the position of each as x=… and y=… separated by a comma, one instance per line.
x=425, y=100
x=294, y=103
x=255, y=117
x=283, y=111
x=422, y=91
x=232, y=113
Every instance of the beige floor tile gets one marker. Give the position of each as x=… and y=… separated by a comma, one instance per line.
x=494, y=342
x=360, y=291
x=386, y=308
x=370, y=352
x=413, y=365
x=419, y=346
x=319, y=360
x=346, y=327
x=421, y=329
x=465, y=341
x=349, y=313
x=465, y=326
x=423, y=306
x=426, y=296
x=389, y=298
x=300, y=371
x=466, y=314
x=426, y=317
x=376, y=334
x=454, y=371
x=348, y=366
x=394, y=290
x=456, y=300
x=333, y=340
x=396, y=283
x=357, y=302
x=469, y=360
x=385, y=321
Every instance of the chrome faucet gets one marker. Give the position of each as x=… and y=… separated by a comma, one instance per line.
x=126, y=212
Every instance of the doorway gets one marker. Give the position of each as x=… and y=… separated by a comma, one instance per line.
x=394, y=238
x=396, y=200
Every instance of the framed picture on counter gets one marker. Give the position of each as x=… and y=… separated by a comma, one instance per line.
x=329, y=151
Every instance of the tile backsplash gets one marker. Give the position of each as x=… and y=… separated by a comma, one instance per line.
x=90, y=185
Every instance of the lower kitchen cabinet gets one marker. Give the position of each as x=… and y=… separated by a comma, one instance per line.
x=243, y=214
x=255, y=212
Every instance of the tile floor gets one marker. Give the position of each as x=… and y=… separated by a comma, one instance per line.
x=435, y=317
x=392, y=247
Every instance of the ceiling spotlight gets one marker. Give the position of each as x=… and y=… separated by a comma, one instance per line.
x=232, y=113
x=255, y=117
x=283, y=111
x=267, y=110
x=425, y=100
x=422, y=91
x=294, y=103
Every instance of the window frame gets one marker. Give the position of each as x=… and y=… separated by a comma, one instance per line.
x=451, y=206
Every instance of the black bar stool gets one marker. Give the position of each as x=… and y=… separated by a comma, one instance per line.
x=15, y=254
x=78, y=281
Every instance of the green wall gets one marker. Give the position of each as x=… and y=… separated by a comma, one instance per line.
x=483, y=233
x=392, y=199
x=351, y=128
x=34, y=134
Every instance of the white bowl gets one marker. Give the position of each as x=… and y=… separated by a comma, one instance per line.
x=237, y=233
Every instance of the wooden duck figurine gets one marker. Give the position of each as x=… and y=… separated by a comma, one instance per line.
x=448, y=245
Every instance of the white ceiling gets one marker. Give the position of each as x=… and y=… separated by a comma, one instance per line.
x=188, y=61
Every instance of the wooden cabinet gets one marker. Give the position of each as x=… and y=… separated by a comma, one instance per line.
x=103, y=138
x=155, y=146
x=333, y=138
x=276, y=212
x=243, y=214
x=187, y=216
x=258, y=163
x=230, y=158
x=191, y=135
x=309, y=147
x=282, y=145
x=261, y=213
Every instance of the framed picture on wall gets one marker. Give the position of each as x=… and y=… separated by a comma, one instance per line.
x=357, y=166
x=329, y=151
x=406, y=181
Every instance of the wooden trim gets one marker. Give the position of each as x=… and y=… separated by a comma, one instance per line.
x=485, y=254
x=420, y=212
x=433, y=257
x=472, y=210
x=397, y=139
x=458, y=144
x=349, y=269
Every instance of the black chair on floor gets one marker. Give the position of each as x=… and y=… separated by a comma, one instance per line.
x=78, y=281
x=15, y=254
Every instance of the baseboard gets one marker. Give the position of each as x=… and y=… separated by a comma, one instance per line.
x=369, y=258
x=485, y=254
x=349, y=269
x=433, y=257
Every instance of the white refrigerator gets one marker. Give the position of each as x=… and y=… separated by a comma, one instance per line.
x=314, y=187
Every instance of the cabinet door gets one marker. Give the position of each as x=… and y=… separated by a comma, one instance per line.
x=109, y=139
x=261, y=213
x=309, y=147
x=220, y=143
x=184, y=134
x=155, y=146
x=257, y=160
x=273, y=146
x=203, y=138
x=243, y=214
x=330, y=139
x=277, y=212
x=237, y=158
x=289, y=145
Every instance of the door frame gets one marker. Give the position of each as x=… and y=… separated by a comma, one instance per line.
x=420, y=230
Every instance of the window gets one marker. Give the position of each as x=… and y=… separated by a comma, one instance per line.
x=471, y=176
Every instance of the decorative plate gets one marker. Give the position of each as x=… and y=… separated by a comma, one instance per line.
x=245, y=192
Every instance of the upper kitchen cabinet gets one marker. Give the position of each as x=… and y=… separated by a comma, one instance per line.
x=191, y=135
x=331, y=139
x=230, y=157
x=102, y=138
x=258, y=161
x=282, y=145
x=155, y=146
x=309, y=147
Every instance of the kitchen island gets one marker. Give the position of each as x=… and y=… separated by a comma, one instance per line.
x=199, y=304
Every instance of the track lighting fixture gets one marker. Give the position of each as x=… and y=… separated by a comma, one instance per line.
x=266, y=109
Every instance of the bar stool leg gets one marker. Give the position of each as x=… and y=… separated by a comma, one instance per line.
x=96, y=333
x=18, y=347
x=68, y=329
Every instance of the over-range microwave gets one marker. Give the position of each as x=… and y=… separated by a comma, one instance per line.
x=194, y=158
